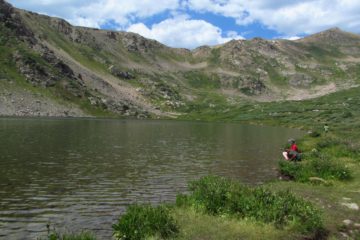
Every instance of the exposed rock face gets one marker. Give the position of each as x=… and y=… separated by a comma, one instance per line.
x=136, y=43
x=33, y=71
x=130, y=75
x=5, y=11
x=121, y=74
x=300, y=80
x=13, y=21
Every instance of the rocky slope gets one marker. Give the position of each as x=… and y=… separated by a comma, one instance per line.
x=62, y=70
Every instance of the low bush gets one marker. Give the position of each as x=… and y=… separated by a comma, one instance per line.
x=328, y=142
x=320, y=167
x=329, y=169
x=292, y=170
x=219, y=196
x=211, y=193
x=140, y=222
x=314, y=134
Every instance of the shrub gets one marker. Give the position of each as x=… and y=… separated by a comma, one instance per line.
x=183, y=200
x=211, y=193
x=347, y=114
x=293, y=170
x=314, y=134
x=329, y=142
x=321, y=167
x=144, y=221
x=329, y=169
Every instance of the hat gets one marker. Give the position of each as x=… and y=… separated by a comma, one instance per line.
x=291, y=140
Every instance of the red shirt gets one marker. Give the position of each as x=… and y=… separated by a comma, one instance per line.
x=294, y=148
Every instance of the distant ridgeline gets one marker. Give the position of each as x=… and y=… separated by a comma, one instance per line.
x=50, y=68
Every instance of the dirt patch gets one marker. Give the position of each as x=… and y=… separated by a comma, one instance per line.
x=318, y=91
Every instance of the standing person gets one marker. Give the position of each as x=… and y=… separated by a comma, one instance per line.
x=293, y=152
x=326, y=128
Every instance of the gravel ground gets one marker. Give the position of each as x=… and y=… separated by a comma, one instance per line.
x=21, y=102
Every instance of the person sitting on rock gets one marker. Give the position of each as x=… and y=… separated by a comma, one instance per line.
x=292, y=153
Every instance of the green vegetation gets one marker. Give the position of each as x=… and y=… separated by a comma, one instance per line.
x=81, y=236
x=81, y=53
x=140, y=222
x=215, y=56
x=275, y=76
x=339, y=109
x=323, y=54
x=201, y=80
x=220, y=196
x=323, y=168
x=198, y=225
x=323, y=163
x=236, y=209
x=54, y=235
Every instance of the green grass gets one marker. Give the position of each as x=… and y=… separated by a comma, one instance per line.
x=54, y=235
x=219, y=208
x=195, y=225
x=84, y=54
x=214, y=58
x=337, y=109
x=219, y=196
x=207, y=106
x=275, y=76
x=323, y=54
x=140, y=222
x=201, y=80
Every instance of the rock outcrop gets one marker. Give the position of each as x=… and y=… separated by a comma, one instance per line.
x=127, y=74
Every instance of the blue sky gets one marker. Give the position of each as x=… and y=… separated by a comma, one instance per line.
x=192, y=23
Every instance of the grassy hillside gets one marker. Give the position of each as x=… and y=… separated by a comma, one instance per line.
x=124, y=74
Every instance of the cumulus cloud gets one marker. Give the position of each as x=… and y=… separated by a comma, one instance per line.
x=290, y=17
x=291, y=38
x=286, y=17
x=181, y=31
x=94, y=13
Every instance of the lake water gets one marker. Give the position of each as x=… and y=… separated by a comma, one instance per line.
x=80, y=174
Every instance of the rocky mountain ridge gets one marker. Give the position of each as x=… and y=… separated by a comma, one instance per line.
x=84, y=72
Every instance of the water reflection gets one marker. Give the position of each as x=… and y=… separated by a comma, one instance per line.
x=82, y=174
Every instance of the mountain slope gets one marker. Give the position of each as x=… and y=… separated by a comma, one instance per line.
x=80, y=71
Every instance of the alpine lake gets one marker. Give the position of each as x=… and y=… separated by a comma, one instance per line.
x=81, y=174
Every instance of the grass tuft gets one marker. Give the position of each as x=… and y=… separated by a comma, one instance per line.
x=140, y=222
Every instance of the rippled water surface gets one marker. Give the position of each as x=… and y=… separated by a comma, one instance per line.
x=80, y=174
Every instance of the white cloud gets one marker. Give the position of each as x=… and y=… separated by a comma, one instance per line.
x=94, y=13
x=287, y=17
x=291, y=38
x=181, y=31
x=290, y=17
x=85, y=22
